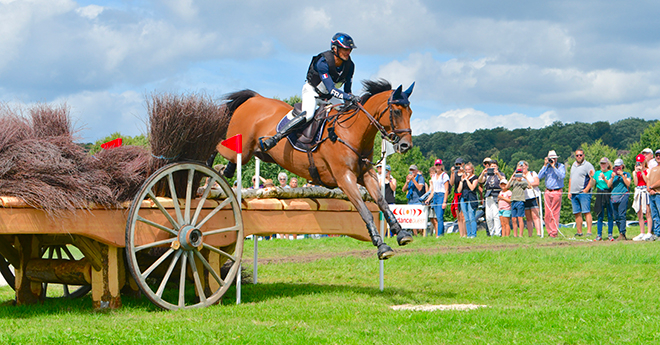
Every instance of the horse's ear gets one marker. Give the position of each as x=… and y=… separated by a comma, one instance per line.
x=409, y=91
x=397, y=93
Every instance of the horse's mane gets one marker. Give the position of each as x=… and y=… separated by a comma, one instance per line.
x=234, y=100
x=373, y=87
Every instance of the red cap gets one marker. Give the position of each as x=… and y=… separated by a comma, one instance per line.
x=438, y=161
x=640, y=158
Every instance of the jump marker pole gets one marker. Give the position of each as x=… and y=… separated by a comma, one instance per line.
x=235, y=144
x=257, y=178
x=381, y=274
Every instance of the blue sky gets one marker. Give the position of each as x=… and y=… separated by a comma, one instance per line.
x=476, y=64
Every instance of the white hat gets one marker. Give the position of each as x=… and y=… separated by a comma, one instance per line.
x=552, y=154
x=647, y=150
x=504, y=181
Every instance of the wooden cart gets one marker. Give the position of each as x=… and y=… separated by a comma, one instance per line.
x=182, y=251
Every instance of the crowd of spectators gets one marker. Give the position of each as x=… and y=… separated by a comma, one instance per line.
x=515, y=203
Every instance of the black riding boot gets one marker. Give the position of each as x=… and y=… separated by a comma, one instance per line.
x=297, y=122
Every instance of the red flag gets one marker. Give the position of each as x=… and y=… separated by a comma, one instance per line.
x=111, y=144
x=234, y=143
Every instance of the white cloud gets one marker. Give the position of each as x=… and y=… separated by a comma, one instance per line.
x=90, y=12
x=469, y=120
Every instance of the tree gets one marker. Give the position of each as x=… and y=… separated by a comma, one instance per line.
x=138, y=140
x=649, y=138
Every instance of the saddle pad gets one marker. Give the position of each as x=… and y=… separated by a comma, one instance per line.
x=293, y=137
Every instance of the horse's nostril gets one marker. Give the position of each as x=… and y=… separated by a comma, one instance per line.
x=403, y=146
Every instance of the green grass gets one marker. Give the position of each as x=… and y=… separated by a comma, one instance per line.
x=538, y=291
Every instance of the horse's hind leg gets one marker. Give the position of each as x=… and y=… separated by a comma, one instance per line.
x=403, y=237
x=348, y=183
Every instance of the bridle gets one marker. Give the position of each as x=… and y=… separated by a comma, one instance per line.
x=391, y=136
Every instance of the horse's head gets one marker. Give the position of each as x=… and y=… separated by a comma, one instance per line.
x=397, y=122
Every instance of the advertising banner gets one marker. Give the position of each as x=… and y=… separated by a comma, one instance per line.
x=411, y=216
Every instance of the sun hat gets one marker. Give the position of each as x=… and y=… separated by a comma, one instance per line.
x=459, y=160
x=604, y=160
x=503, y=181
x=413, y=167
x=388, y=168
x=640, y=158
x=486, y=160
x=647, y=150
x=552, y=154
x=618, y=162
x=438, y=162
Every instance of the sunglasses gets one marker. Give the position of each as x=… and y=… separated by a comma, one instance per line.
x=579, y=155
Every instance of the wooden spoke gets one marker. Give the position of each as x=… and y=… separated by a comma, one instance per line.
x=155, y=244
x=175, y=199
x=168, y=274
x=212, y=271
x=195, y=273
x=202, y=200
x=163, y=210
x=182, y=282
x=219, y=231
x=215, y=210
x=219, y=252
x=189, y=192
x=157, y=263
x=156, y=225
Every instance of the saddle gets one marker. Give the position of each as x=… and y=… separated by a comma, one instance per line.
x=305, y=138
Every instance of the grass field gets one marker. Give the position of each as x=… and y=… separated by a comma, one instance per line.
x=537, y=291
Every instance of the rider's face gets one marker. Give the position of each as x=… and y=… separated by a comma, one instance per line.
x=344, y=53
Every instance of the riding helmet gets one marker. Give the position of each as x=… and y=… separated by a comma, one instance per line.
x=342, y=40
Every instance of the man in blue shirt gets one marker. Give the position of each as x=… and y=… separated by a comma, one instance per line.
x=554, y=173
x=327, y=72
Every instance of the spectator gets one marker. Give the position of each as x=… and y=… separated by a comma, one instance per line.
x=620, y=186
x=518, y=184
x=414, y=188
x=254, y=178
x=293, y=183
x=438, y=198
x=269, y=184
x=648, y=153
x=504, y=205
x=469, y=201
x=654, y=198
x=603, y=202
x=390, y=183
x=531, y=199
x=579, y=191
x=641, y=198
x=457, y=172
x=282, y=179
x=554, y=173
x=491, y=177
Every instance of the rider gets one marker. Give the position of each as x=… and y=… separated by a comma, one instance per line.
x=327, y=72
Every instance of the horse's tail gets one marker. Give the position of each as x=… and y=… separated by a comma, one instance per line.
x=234, y=100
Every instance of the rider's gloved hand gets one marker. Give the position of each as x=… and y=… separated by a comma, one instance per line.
x=354, y=99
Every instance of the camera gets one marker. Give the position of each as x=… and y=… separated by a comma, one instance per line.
x=517, y=175
x=490, y=171
x=551, y=161
x=616, y=169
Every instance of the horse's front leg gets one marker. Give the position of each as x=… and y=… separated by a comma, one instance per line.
x=403, y=237
x=348, y=183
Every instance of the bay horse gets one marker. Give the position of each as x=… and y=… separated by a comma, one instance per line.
x=342, y=161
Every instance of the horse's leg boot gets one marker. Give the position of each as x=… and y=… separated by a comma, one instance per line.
x=297, y=122
x=404, y=237
x=385, y=252
x=230, y=169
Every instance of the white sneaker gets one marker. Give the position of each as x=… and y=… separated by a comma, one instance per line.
x=638, y=237
x=647, y=237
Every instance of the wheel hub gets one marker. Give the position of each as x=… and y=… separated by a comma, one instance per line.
x=190, y=237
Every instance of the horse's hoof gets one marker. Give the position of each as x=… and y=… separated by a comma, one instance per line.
x=404, y=237
x=385, y=252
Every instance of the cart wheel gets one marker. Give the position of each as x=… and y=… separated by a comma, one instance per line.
x=63, y=253
x=7, y=273
x=48, y=252
x=184, y=246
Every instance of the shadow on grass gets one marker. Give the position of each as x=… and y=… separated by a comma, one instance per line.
x=264, y=292
x=259, y=293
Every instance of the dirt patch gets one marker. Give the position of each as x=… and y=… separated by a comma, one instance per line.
x=409, y=250
x=441, y=307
